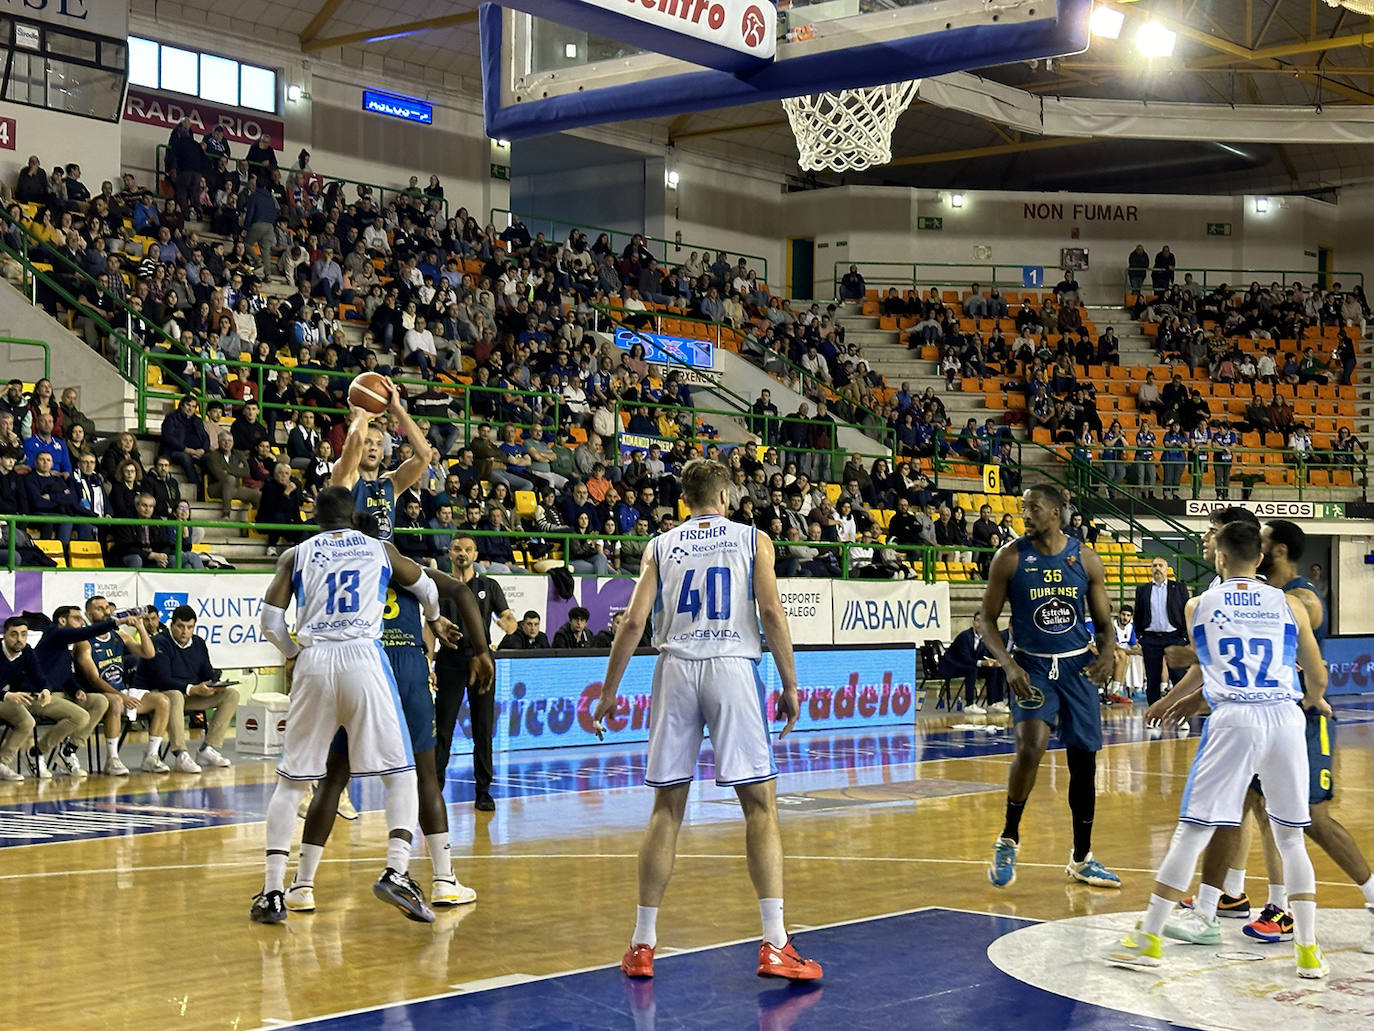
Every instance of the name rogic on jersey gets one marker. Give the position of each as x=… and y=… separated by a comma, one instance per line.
x=378, y=497
x=1049, y=595
x=705, y=606
x=1247, y=643
x=340, y=580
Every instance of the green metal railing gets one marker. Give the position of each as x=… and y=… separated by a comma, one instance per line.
x=1240, y=279
x=325, y=179
x=669, y=252
x=23, y=342
x=922, y=275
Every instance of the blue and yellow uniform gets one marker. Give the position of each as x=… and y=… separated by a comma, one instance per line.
x=1321, y=731
x=1050, y=637
x=404, y=645
x=378, y=497
x=108, y=656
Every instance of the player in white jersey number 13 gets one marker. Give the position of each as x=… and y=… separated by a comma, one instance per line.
x=1250, y=640
x=708, y=584
x=339, y=580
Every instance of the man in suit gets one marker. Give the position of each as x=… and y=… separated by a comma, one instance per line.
x=968, y=657
x=1159, y=623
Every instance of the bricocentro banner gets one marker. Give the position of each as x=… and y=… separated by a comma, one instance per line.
x=547, y=701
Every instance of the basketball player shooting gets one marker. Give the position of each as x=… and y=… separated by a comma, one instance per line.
x=1050, y=578
x=709, y=584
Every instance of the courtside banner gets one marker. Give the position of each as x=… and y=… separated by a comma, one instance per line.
x=228, y=610
x=547, y=702
x=890, y=612
x=807, y=603
x=1350, y=665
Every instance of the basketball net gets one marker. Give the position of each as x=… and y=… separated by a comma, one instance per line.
x=850, y=130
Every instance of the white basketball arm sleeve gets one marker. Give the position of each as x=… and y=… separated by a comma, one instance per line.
x=427, y=594
x=273, y=625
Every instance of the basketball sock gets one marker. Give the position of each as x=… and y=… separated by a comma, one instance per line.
x=154, y=745
x=1368, y=888
x=1207, y=899
x=275, y=877
x=309, y=864
x=1011, y=830
x=1082, y=799
x=281, y=827
x=1305, y=923
x=402, y=812
x=441, y=855
x=1157, y=915
x=112, y=746
x=1234, y=885
x=1278, y=896
x=646, y=926
x=774, y=931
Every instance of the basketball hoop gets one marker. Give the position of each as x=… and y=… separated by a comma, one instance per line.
x=850, y=130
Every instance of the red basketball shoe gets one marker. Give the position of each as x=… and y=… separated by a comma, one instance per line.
x=638, y=961
x=785, y=962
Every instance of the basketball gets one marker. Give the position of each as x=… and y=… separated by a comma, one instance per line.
x=370, y=392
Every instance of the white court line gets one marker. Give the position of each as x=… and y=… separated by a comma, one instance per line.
x=273, y=1025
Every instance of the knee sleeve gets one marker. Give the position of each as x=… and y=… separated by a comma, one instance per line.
x=1082, y=779
x=1298, y=875
x=1188, y=842
x=402, y=801
x=281, y=814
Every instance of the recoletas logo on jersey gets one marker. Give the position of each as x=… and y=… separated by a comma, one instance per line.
x=1055, y=616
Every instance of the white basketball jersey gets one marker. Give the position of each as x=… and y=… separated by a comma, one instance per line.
x=340, y=581
x=1125, y=635
x=1247, y=643
x=705, y=607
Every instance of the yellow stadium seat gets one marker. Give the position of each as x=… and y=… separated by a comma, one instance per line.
x=963, y=501
x=681, y=509
x=832, y=491
x=524, y=503
x=1019, y=525
x=53, y=549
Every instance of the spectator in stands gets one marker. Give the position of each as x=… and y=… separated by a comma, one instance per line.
x=588, y=554
x=185, y=442
x=226, y=470
x=148, y=544
x=852, y=285
x=42, y=400
x=72, y=415
x=280, y=503
x=574, y=633
x=975, y=304
x=527, y=636
x=246, y=429
x=494, y=548
x=302, y=441
x=1137, y=265
x=1162, y=272
x=1066, y=292
x=52, y=495
x=418, y=547
x=259, y=219
x=166, y=491
x=31, y=185
x=44, y=441
x=15, y=403
x=1145, y=440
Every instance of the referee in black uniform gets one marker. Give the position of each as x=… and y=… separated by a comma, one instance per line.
x=451, y=669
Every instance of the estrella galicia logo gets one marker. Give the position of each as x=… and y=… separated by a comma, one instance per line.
x=1034, y=701
x=1055, y=616
x=167, y=602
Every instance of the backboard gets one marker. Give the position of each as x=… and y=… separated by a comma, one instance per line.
x=542, y=76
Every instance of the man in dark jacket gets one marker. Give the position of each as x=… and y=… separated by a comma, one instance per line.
x=180, y=668
x=574, y=633
x=1160, y=621
x=527, y=636
x=184, y=439
x=166, y=492
x=968, y=658
x=148, y=544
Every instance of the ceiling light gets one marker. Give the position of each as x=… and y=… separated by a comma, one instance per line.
x=503, y=144
x=956, y=200
x=294, y=93
x=673, y=178
x=1106, y=22
x=1154, y=40
x=570, y=51
x=1261, y=204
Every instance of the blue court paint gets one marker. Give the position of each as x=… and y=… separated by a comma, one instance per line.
x=927, y=970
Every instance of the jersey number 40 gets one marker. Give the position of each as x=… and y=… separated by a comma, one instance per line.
x=716, y=588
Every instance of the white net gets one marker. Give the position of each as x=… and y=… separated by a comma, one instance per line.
x=850, y=130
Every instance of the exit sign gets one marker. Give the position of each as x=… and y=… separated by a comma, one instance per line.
x=924, y=222
x=1218, y=228
x=500, y=171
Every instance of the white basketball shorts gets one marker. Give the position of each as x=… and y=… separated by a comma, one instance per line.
x=1238, y=741
x=722, y=694
x=346, y=684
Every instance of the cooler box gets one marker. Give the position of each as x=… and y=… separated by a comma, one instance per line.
x=261, y=723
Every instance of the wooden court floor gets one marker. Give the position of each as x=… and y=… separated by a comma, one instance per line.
x=150, y=930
